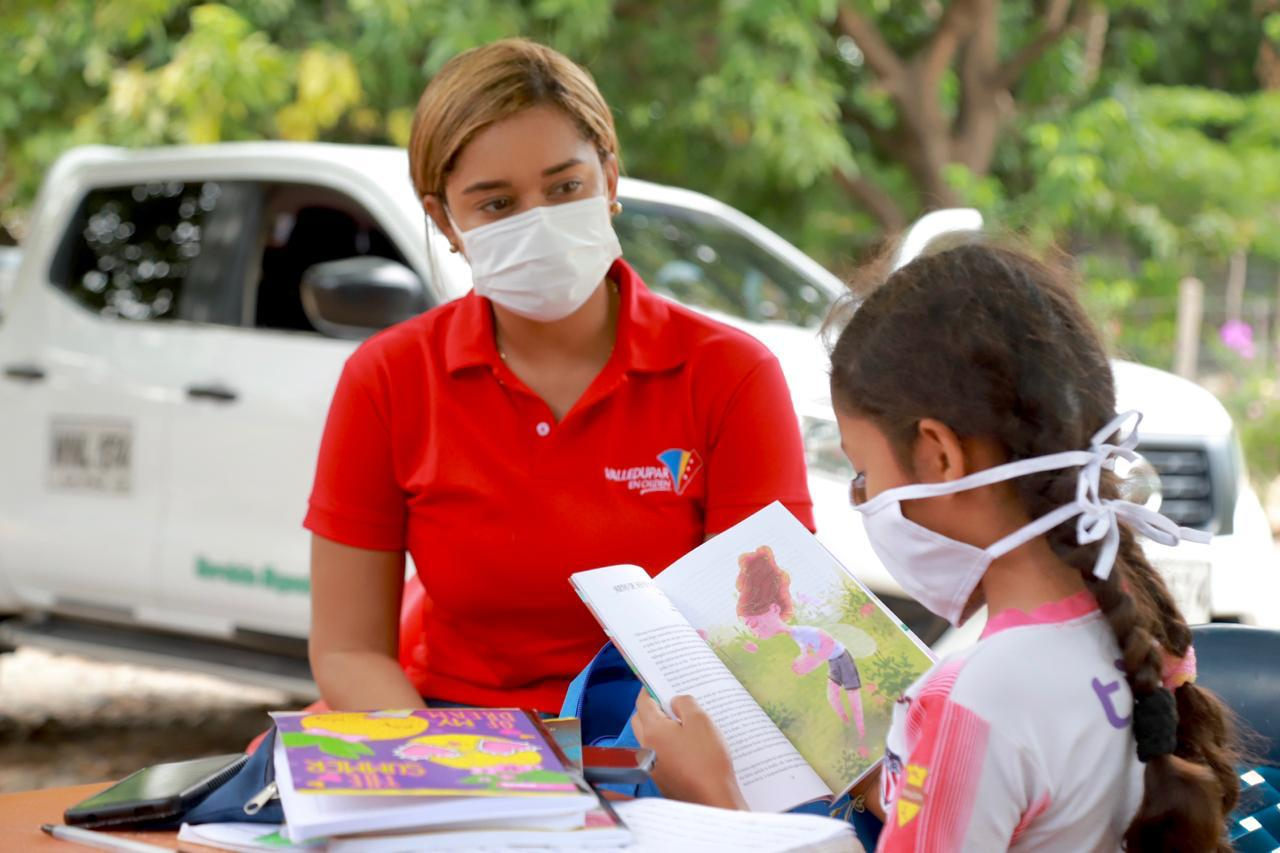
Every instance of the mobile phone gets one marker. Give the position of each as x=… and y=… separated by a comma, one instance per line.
x=605, y=765
x=157, y=793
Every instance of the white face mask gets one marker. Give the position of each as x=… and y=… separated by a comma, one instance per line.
x=942, y=573
x=545, y=263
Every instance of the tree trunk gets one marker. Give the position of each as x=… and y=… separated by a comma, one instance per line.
x=923, y=138
x=872, y=198
x=1237, y=275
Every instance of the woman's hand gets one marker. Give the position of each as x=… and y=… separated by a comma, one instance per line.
x=693, y=761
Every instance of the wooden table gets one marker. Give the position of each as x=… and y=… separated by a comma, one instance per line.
x=21, y=815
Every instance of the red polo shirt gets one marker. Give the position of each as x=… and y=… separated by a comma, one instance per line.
x=433, y=445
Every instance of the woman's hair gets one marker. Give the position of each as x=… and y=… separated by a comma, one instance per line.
x=490, y=83
x=994, y=344
x=762, y=583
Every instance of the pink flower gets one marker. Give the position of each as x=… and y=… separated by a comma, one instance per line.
x=1237, y=336
x=869, y=686
x=867, y=609
x=751, y=647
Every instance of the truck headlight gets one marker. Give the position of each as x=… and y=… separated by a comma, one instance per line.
x=822, y=447
x=1140, y=482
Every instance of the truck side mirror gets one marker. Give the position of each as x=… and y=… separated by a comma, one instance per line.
x=355, y=297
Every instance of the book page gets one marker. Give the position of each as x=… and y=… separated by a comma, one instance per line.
x=816, y=650
x=671, y=658
x=670, y=825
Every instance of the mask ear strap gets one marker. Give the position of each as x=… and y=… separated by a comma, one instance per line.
x=1039, y=527
x=987, y=477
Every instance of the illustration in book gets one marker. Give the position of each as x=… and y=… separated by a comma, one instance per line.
x=452, y=752
x=811, y=646
x=766, y=608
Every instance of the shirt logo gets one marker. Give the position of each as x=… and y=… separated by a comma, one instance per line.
x=684, y=465
x=912, y=796
x=677, y=471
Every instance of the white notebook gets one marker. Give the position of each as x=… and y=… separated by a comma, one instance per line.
x=655, y=826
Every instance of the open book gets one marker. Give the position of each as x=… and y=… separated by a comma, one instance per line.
x=796, y=662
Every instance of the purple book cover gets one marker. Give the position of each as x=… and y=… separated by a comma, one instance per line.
x=494, y=752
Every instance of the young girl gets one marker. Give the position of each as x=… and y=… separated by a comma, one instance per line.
x=765, y=607
x=977, y=405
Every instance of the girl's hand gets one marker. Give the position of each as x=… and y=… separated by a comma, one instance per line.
x=693, y=761
x=869, y=790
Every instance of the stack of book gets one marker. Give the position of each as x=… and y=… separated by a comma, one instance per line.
x=468, y=779
x=445, y=777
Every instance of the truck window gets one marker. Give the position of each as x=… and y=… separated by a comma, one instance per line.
x=302, y=226
x=129, y=249
x=700, y=260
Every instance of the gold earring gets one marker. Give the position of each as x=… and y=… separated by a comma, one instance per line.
x=615, y=208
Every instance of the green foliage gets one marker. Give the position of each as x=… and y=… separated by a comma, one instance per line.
x=748, y=100
x=891, y=673
x=1252, y=395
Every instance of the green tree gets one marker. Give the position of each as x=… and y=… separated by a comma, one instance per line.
x=833, y=120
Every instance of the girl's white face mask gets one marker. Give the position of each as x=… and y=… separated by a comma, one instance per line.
x=942, y=573
x=545, y=263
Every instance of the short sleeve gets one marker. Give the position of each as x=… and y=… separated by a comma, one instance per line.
x=962, y=786
x=356, y=499
x=757, y=456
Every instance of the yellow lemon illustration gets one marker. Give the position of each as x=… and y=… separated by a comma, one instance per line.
x=365, y=726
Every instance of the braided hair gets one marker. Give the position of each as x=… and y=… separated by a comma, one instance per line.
x=993, y=343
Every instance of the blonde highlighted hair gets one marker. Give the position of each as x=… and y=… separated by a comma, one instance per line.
x=490, y=83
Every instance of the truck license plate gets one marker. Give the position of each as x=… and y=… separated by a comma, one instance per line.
x=1188, y=582
x=95, y=456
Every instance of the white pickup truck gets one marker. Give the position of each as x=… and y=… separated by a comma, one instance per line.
x=176, y=328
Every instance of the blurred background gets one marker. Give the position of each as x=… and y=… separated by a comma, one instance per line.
x=1142, y=137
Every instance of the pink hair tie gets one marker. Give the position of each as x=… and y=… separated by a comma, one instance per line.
x=1179, y=671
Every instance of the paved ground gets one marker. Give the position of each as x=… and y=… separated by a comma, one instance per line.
x=65, y=720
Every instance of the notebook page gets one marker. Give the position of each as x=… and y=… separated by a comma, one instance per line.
x=672, y=659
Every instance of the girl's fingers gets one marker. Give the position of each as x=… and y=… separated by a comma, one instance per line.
x=637, y=727
x=645, y=706
x=686, y=708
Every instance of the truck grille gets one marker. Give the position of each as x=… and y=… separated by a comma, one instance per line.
x=1187, y=485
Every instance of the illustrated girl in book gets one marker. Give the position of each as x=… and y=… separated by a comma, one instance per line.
x=764, y=605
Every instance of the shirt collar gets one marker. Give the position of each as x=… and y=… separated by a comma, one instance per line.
x=644, y=343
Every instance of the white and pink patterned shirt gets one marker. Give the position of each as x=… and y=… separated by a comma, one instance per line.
x=1021, y=742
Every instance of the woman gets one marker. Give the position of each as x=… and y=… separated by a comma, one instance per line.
x=559, y=418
